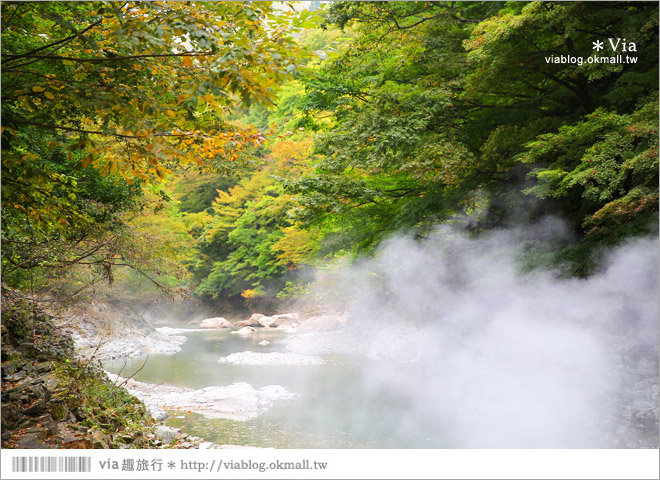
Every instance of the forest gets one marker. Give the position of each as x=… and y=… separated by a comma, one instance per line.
x=228, y=151
x=236, y=153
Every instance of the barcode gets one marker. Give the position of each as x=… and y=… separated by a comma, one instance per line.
x=51, y=464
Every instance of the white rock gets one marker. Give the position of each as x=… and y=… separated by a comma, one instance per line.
x=283, y=318
x=157, y=413
x=245, y=331
x=323, y=323
x=263, y=343
x=238, y=401
x=215, y=322
x=267, y=322
x=270, y=358
x=132, y=344
x=253, y=321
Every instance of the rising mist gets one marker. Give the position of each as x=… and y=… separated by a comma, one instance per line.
x=468, y=352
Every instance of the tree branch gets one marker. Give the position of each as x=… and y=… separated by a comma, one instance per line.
x=68, y=39
x=96, y=132
x=106, y=59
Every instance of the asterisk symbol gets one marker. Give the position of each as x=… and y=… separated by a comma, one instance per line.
x=598, y=45
x=171, y=464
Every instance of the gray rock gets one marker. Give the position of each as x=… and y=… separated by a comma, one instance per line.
x=157, y=413
x=166, y=434
x=10, y=412
x=39, y=408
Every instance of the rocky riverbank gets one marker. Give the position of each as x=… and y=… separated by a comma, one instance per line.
x=51, y=399
x=55, y=395
x=103, y=331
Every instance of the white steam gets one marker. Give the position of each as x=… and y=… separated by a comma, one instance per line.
x=486, y=357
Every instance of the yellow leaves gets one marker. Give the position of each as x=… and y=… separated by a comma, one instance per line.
x=161, y=171
x=38, y=89
x=291, y=154
x=186, y=61
x=87, y=161
x=49, y=96
x=295, y=246
x=170, y=113
x=210, y=99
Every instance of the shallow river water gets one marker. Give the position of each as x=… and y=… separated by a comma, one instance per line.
x=334, y=408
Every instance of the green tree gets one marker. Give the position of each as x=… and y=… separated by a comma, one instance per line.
x=251, y=243
x=582, y=137
x=444, y=109
x=390, y=156
x=129, y=90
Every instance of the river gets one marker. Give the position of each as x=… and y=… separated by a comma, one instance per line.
x=336, y=406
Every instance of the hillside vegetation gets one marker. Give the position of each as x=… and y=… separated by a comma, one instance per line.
x=233, y=151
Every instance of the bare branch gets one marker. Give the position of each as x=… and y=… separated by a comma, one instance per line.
x=135, y=373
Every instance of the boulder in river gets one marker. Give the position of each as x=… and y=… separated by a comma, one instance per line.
x=282, y=319
x=323, y=323
x=286, y=318
x=215, y=322
x=245, y=331
x=268, y=322
x=253, y=321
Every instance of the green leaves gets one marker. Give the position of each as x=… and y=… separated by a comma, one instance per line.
x=390, y=145
x=610, y=160
x=101, y=99
x=240, y=238
x=437, y=110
